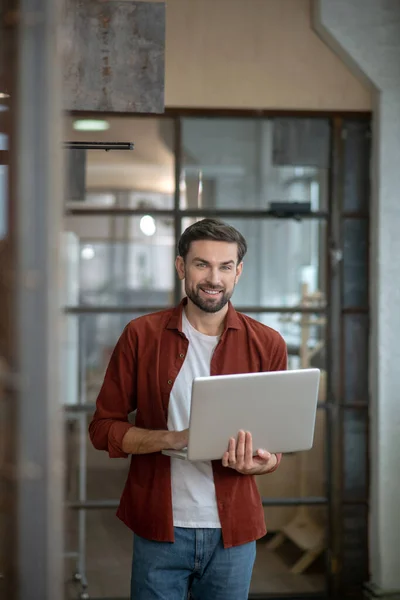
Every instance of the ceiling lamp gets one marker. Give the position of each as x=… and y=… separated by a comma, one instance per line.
x=148, y=225
x=91, y=125
x=88, y=252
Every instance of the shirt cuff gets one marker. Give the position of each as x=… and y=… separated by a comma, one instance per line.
x=116, y=434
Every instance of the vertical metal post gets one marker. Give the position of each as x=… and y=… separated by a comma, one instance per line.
x=39, y=193
x=177, y=197
x=82, y=461
x=334, y=358
x=82, y=498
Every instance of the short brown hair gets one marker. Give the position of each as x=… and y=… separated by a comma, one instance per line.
x=211, y=229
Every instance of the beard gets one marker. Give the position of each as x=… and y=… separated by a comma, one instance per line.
x=208, y=305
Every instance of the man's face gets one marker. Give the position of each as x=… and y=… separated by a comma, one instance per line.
x=211, y=272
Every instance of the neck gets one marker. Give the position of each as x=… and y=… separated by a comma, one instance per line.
x=207, y=323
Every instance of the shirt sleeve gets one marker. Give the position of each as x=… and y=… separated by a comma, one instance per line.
x=279, y=356
x=116, y=399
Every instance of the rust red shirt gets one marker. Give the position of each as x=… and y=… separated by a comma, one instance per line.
x=143, y=367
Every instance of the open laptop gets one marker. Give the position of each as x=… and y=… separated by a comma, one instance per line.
x=277, y=407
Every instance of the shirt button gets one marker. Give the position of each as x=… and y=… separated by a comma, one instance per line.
x=169, y=381
x=181, y=356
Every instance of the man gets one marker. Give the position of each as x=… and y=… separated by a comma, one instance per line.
x=194, y=524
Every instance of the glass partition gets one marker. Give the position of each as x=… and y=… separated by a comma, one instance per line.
x=271, y=178
x=240, y=164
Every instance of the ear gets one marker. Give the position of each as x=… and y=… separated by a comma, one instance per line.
x=239, y=270
x=180, y=267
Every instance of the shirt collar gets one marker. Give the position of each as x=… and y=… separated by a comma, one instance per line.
x=232, y=320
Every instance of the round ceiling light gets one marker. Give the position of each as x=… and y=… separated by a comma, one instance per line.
x=87, y=252
x=91, y=125
x=148, y=225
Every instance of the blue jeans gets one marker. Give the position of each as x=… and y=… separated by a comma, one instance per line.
x=196, y=562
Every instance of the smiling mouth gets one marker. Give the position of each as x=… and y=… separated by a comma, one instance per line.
x=211, y=293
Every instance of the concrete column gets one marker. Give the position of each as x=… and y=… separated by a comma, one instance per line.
x=366, y=34
x=39, y=186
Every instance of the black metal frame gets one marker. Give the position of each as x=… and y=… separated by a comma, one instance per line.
x=334, y=310
x=333, y=375
x=107, y=146
x=338, y=312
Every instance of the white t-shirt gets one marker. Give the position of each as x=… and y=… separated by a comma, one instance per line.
x=193, y=491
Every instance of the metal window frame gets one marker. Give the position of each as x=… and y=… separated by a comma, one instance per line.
x=334, y=406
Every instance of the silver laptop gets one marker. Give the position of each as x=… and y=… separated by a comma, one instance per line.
x=277, y=407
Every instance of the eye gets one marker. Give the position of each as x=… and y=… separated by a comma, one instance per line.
x=201, y=265
x=226, y=267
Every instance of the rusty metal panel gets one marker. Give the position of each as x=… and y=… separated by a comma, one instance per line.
x=114, y=56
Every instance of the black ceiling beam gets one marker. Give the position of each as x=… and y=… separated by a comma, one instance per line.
x=99, y=146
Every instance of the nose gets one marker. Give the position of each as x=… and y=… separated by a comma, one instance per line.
x=214, y=276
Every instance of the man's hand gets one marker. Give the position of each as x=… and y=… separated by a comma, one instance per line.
x=240, y=456
x=178, y=439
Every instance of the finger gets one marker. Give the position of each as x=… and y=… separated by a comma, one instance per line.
x=232, y=452
x=264, y=454
x=240, y=450
x=225, y=459
x=248, y=459
x=265, y=464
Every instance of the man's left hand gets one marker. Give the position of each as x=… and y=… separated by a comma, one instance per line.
x=239, y=456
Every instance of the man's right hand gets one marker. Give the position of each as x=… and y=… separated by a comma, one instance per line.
x=178, y=439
